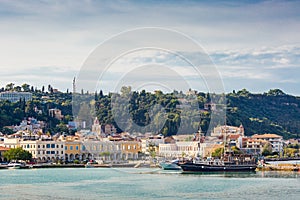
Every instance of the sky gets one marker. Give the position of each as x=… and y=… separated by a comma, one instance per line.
x=251, y=44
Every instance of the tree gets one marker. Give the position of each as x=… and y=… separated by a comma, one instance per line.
x=218, y=152
x=7, y=131
x=267, y=149
x=236, y=150
x=9, y=87
x=18, y=88
x=17, y=154
x=25, y=87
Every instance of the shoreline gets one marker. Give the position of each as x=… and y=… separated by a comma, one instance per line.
x=40, y=166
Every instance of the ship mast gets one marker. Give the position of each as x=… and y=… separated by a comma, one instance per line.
x=200, y=135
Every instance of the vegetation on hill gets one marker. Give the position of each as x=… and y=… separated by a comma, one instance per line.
x=271, y=112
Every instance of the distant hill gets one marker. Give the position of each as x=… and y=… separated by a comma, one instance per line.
x=270, y=112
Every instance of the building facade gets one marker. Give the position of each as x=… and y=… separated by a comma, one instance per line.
x=275, y=140
x=15, y=96
x=179, y=149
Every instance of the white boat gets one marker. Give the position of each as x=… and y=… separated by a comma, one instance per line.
x=172, y=165
x=15, y=165
x=89, y=165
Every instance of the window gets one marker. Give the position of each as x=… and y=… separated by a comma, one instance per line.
x=52, y=145
x=52, y=152
x=48, y=145
x=62, y=146
x=47, y=152
x=77, y=147
x=83, y=148
x=57, y=146
x=66, y=147
x=71, y=147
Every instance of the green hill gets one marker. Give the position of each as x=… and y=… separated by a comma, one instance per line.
x=271, y=112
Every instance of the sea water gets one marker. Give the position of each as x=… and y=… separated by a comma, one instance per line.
x=122, y=183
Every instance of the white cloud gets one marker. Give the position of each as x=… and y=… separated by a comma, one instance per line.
x=250, y=38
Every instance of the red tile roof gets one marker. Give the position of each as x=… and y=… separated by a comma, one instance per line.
x=4, y=148
x=264, y=136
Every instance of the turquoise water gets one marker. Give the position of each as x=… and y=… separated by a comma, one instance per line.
x=108, y=183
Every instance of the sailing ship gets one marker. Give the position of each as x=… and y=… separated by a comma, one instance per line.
x=217, y=166
x=229, y=162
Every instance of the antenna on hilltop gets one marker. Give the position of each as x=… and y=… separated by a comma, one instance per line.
x=74, y=85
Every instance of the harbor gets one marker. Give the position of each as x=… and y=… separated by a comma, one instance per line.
x=146, y=183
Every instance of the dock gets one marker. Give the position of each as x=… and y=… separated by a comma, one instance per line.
x=279, y=167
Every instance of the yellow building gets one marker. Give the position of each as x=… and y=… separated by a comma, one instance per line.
x=72, y=148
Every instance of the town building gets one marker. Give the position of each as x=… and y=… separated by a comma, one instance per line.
x=15, y=96
x=253, y=146
x=72, y=148
x=44, y=150
x=96, y=127
x=221, y=130
x=100, y=151
x=130, y=149
x=275, y=140
x=151, y=141
x=56, y=113
x=179, y=149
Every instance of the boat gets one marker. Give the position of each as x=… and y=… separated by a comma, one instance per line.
x=15, y=165
x=96, y=165
x=173, y=165
x=89, y=165
x=217, y=167
x=228, y=163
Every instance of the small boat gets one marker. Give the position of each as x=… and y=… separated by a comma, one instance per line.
x=89, y=165
x=15, y=165
x=173, y=165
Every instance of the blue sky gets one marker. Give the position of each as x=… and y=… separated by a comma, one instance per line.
x=254, y=44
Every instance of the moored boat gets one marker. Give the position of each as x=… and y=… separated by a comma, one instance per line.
x=15, y=165
x=202, y=167
x=169, y=166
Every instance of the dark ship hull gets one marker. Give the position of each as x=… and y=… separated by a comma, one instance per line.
x=193, y=168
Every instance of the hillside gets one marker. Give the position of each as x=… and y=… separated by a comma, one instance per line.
x=271, y=112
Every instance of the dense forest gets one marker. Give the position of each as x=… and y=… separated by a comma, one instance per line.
x=270, y=112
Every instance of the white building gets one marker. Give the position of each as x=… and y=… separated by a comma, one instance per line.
x=275, y=140
x=221, y=130
x=11, y=142
x=179, y=149
x=15, y=96
x=100, y=150
x=154, y=140
x=44, y=151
